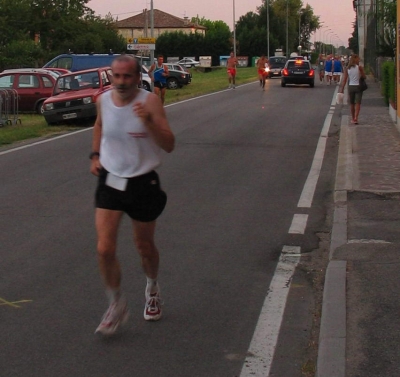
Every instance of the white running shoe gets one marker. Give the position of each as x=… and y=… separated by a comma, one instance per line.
x=117, y=314
x=152, y=310
x=230, y=86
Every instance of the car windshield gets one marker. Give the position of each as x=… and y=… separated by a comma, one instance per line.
x=280, y=60
x=77, y=82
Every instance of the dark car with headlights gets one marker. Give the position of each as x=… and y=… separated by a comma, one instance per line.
x=297, y=72
x=75, y=94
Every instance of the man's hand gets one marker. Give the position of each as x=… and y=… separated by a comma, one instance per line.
x=95, y=166
x=140, y=111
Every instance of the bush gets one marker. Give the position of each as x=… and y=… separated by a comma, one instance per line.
x=388, y=81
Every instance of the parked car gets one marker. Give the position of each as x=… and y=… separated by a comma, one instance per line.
x=275, y=65
x=178, y=76
x=75, y=94
x=145, y=79
x=79, y=62
x=298, y=71
x=188, y=62
x=33, y=87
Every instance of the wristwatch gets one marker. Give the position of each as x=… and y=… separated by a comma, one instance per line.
x=94, y=154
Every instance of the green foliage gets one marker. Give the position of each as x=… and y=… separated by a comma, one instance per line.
x=215, y=43
x=387, y=15
x=388, y=81
x=353, y=41
x=252, y=30
x=33, y=31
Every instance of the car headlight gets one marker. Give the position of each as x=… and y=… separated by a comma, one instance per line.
x=87, y=100
x=49, y=106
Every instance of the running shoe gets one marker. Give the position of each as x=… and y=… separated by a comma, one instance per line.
x=117, y=314
x=152, y=310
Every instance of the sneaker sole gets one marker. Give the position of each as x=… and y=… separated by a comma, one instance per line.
x=152, y=317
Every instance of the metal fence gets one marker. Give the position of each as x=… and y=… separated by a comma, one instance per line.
x=9, y=107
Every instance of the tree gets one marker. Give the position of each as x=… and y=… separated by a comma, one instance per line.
x=353, y=41
x=387, y=15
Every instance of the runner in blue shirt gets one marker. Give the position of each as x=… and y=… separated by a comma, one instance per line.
x=159, y=73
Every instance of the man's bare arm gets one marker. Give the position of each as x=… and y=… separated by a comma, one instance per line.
x=97, y=129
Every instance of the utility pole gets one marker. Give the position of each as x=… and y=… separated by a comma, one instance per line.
x=152, y=36
x=287, y=29
x=234, y=31
x=268, y=29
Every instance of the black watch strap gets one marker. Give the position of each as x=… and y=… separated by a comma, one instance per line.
x=94, y=154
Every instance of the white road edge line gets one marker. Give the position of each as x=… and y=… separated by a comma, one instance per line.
x=299, y=224
x=308, y=192
x=263, y=344
x=43, y=141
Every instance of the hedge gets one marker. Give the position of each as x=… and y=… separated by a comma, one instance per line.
x=389, y=82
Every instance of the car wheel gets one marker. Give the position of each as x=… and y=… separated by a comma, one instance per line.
x=146, y=86
x=283, y=84
x=172, y=83
x=40, y=108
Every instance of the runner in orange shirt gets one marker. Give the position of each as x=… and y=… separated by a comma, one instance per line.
x=262, y=63
x=231, y=70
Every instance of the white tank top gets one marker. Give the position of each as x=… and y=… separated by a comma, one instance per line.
x=127, y=149
x=354, y=75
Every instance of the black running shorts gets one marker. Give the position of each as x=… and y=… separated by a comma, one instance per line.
x=143, y=200
x=159, y=84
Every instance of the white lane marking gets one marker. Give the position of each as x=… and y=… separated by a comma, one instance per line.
x=299, y=224
x=210, y=94
x=308, y=192
x=263, y=344
x=43, y=141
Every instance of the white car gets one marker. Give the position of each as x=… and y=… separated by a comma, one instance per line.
x=145, y=79
x=188, y=62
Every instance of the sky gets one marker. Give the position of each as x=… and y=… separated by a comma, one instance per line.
x=337, y=17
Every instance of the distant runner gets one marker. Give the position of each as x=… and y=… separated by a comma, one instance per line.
x=231, y=70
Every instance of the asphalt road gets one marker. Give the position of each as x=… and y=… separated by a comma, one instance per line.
x=233, y=183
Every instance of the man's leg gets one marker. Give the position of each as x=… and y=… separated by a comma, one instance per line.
x=144, y=240
x=163, y=90
x=107, y=223
x=353, y=111
x=157, y=91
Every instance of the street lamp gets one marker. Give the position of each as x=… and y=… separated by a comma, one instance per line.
x=320, y=40
x=268, y=29
x=287, y=29
x=234, y=30
x=323, y=36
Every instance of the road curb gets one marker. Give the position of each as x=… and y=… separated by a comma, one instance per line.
x=332, y=338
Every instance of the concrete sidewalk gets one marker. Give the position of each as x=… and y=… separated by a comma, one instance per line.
x=360, y=326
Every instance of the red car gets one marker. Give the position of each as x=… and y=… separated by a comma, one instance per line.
x=32, y=87
x=75, y=94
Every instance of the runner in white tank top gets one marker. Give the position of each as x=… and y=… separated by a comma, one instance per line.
x=130, y=131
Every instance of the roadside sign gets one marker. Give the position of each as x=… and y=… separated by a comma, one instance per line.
x=140, y=46
x=145, y=40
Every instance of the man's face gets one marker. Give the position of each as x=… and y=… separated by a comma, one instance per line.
x=125, y=78
x=160, y=60
x=231, y=54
